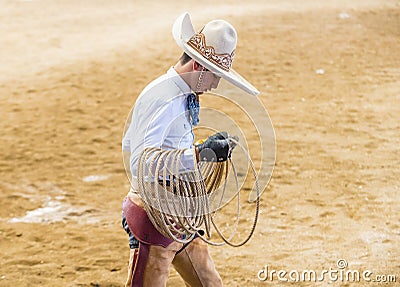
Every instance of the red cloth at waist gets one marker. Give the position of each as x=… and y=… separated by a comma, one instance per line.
x=141, y=226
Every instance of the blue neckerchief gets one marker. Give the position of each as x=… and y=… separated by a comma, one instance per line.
x=194, y=108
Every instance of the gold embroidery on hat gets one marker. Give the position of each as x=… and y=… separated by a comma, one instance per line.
x=224, y=61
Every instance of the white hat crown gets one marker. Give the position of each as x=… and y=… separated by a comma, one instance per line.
x=221, y=36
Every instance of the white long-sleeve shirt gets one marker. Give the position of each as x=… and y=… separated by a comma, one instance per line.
x=160, y=119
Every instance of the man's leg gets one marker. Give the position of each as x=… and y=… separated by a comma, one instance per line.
x=149, y=265
x=196, y=267
x=157, y=265
x=156, y=252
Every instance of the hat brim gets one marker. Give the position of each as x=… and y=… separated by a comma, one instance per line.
x=182, y=31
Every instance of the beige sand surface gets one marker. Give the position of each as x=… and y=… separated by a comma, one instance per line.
x=329, y=74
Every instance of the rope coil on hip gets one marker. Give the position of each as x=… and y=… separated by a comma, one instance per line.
x=178, y=203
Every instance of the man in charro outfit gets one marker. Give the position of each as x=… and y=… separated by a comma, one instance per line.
x=163, y=117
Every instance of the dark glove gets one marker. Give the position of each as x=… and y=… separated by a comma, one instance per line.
x=216, y=148
x=219, y=136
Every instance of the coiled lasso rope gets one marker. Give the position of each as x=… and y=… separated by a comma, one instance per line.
x=178, y=202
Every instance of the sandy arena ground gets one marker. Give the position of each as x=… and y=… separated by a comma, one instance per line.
x=329, y=72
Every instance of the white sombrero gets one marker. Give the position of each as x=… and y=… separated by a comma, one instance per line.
x=213, y=47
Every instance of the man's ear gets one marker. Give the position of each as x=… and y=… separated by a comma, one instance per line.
x=196, y=66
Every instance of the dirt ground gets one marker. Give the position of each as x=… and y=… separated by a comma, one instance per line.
x=329, y=76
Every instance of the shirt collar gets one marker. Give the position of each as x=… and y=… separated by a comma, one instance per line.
x=177, y=79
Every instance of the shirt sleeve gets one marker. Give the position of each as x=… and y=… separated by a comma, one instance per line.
x=160, y=127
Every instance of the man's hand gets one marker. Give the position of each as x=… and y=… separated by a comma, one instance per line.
x=216, y=148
